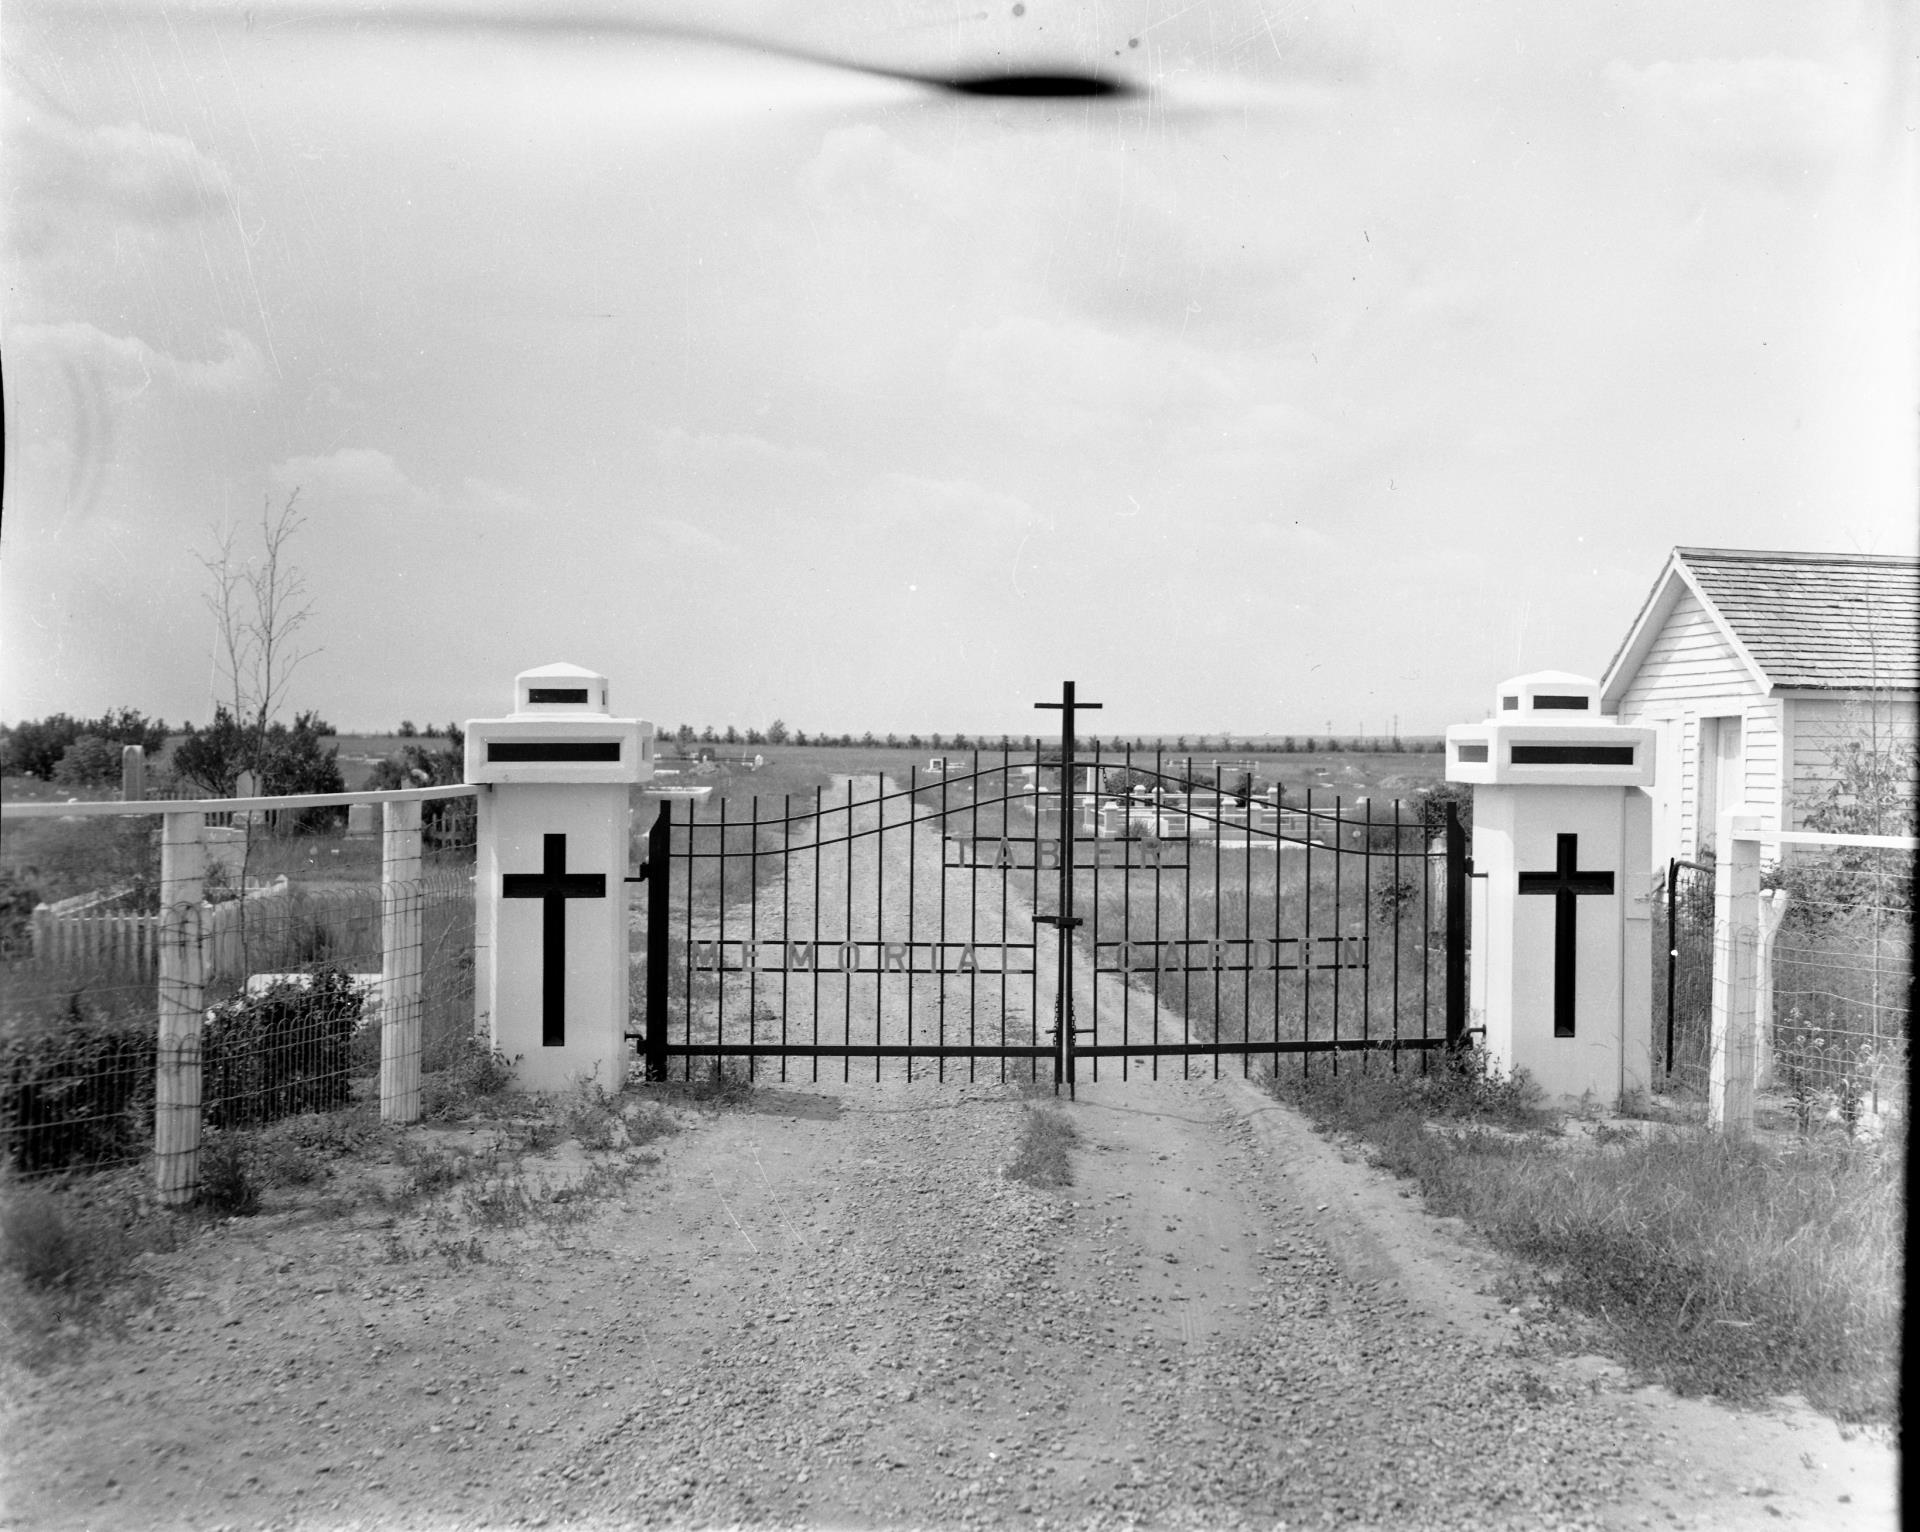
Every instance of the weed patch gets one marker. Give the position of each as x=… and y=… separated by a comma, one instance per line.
x=1041, y=1157
x=725, y=1084
x=477, y=1076
x=1715, y=1266
x=228, y=1184
x=71, y=1261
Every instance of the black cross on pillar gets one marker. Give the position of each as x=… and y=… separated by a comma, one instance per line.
x=553, y=885
x=1566, y=883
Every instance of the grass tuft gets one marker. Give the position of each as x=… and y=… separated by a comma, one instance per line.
x=229, y=1184
x=1042, y=1158
x=725, y=1084
x=70, y=1261
x=1716, y=1266
x=476, y=1076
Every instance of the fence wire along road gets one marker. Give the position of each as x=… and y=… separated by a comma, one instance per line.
x=1827, y=951
x=224, y=975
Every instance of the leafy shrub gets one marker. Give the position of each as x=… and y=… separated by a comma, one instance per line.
x=283, y=1051
x=34, y=748
x=284, y=761
x=89, y=761
x=446, y=824
x=1433, y=803
x=77, y=1092
x=17, y=900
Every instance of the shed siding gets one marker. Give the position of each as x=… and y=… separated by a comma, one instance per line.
x=1762, y=763
x=1824, y=725
x=1690, y=668
x=1688, y=661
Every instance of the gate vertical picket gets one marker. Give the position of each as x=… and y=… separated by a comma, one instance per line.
x=1457, y=869
x=659, y=882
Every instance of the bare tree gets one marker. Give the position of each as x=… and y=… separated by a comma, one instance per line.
x=259, y=604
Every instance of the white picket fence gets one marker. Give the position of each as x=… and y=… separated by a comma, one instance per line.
x=77, y=931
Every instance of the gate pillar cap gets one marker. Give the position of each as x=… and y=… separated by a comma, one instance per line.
x=559, y=731
x=558, y=688
x=1546, y=729
x=1559, y=696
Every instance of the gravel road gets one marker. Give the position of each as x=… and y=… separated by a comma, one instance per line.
x=831, y=1308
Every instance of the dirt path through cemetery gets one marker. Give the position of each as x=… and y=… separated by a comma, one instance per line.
x=830, y=1307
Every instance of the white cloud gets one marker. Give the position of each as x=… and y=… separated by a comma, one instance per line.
x=367, y=479
x=131, y=365
x=57, y=167
x=355, y=478
x=710, y=451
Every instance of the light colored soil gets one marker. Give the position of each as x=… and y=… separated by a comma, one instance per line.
x=830, y=1308
x=1222, y=1322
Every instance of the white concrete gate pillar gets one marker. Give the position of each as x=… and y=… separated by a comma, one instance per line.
x=550, y=895
x=1562, y=835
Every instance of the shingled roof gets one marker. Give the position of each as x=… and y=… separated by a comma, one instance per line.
x=1822, y=621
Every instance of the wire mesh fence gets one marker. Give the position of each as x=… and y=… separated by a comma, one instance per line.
x=1842, y=983
x=1830, y=954
x=325, y=961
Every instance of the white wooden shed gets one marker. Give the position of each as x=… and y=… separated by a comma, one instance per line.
x=1753, y=666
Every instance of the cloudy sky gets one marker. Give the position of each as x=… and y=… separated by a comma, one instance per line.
x=1377, y=351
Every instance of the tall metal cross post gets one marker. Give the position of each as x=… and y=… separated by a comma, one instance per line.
x=1064, y=922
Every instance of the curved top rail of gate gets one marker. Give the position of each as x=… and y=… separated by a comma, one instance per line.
x=1228, y=807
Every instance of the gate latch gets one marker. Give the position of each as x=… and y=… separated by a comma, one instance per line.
x=1059, y=922
x=641, y=875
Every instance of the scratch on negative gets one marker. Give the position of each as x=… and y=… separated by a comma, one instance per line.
x=792, y=1232
x=729, y=1207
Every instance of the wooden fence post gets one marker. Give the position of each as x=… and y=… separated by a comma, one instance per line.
x=1736, y=948
x=400, y=962
x=182, y=1001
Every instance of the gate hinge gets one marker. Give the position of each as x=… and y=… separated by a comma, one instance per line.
x=641, y=875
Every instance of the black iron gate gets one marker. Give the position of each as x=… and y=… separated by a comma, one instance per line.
x=1189, y=914
x=1688, y=914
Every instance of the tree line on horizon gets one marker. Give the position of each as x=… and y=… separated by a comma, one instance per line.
x=779, y=733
